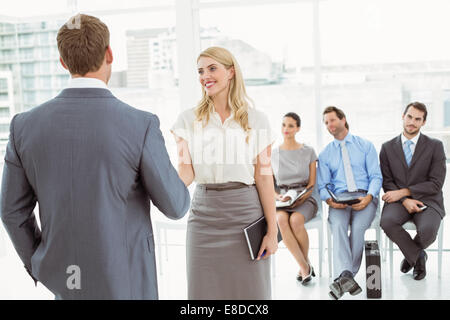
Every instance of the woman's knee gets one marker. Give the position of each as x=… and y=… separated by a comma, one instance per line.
x=297, y=221
x=283, y=219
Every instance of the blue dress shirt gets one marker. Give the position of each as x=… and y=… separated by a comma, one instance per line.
x=364, y=163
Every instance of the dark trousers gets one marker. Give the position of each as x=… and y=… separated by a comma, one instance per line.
x=427, y=223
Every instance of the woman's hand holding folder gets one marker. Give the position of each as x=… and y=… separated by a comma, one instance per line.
x=269, y=245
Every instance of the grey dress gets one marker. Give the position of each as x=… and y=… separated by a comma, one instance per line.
x=292, y=167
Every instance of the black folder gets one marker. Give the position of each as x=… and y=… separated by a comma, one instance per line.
x=346, y=197
x=254, y=234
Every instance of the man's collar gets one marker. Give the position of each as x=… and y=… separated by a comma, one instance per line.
x=86, y=83
x=348, y=139
x=414, y=140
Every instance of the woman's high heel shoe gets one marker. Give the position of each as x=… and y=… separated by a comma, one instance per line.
x=309, y=276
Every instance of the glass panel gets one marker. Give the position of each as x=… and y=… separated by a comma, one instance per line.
x=28, y=83
x=447, y=113
x=28, y=69
x=26, y=39
x=26, y=54
x=380, y=59
x=45, y=82
x=271, y=49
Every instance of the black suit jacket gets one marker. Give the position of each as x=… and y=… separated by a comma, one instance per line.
x=425, y=175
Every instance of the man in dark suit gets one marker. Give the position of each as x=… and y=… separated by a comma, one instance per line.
x=93, y=163
x=413, y=167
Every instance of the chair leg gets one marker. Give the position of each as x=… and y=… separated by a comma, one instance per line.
x=273, y=265
x=380, y=245
x=391, y=256
x=440, y=244
x=330, y=253
x=321, y=252
x=158, y=245
x=166, y=244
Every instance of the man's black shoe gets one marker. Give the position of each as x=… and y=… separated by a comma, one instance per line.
x=342, y=285
x=420, y=268
x=405, y=267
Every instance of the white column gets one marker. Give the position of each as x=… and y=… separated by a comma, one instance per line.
x=188, y=48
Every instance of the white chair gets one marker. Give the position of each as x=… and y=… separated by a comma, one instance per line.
x=162, y=227
x=374, y=225
x=411, y=226
x=314, y=223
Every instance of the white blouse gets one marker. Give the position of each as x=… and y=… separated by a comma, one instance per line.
x=219, y=152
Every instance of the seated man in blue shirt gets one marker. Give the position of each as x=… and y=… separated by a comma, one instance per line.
x=349, y=163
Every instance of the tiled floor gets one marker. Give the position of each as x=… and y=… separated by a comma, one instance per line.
x=15, y=283
x=172, y=284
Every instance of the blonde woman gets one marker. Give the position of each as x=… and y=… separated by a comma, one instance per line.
x=224, y=145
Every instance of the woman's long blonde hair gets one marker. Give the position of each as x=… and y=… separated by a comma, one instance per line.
x=238, y=100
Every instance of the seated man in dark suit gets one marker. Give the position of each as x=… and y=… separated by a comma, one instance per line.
x=413, y=167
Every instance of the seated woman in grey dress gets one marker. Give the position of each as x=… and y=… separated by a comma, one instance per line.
x=294, y=167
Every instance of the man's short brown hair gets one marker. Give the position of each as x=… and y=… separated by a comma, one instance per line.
x=339, y=113
x=419, y=106
x=82, y=43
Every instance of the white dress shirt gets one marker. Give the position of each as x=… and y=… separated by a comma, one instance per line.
x=219, y=151
x=86, y=83
x=413, y=140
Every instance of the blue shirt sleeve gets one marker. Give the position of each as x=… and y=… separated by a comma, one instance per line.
x=373, y=171
x=323, y=176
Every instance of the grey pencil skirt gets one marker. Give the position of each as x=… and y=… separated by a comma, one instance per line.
x=219, y=266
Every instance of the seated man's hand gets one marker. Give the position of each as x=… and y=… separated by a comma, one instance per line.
x=363, y=203
x=335, y=205
x=412, y=206
x=393, y=196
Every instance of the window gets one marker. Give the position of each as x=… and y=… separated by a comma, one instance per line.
x=447, y=113
x=44, y=67
x=28, y=69
x=8, y=41
x=29, y=97
x=3, y=84
x=4, y=127
x=44, y=38
x=26, y=39
x=4, y=112
x=45, y=53
x=45, y=82
x=26, y=54
x=28, y=83
x=271, y=50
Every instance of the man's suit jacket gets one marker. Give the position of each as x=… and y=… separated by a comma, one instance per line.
x=424, y=177
x=93, y=163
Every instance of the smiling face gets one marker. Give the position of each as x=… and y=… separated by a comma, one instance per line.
x=413, y=120
x=213, y=76
x=289, y=128
x=334, y=125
